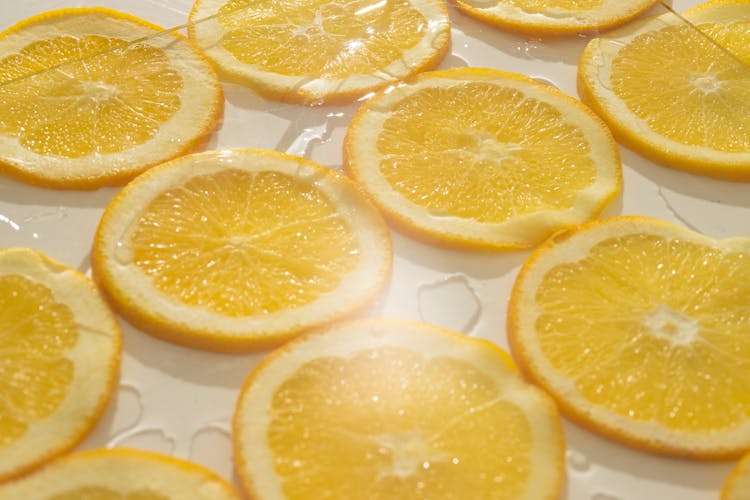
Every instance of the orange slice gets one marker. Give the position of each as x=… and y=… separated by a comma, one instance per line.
x=60, y=348
x=120, y=474
x=321, y=51
x=238, y=250
x=672, y=94
x=639, y=328
x=481, y=158
x=386, y=409
x=541, y=18
x=82, y=104
x=737, y=485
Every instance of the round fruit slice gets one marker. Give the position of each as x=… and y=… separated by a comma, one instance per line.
x=385, y=409
x=238, y=250
x=556, y=17
x=640, y=330
x=60, y=348
x=120, y=474
x=321, y=51
x=482, y=158
x=91, y=97
x=737, y=485
x=672, y=94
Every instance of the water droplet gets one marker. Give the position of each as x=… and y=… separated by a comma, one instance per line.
x=578, y=461
x=451, y=302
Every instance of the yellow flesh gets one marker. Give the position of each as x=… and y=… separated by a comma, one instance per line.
x=653, y=329
x=547, y=5
x=483, y=152
x=389, y=423
x=117, y=97
x=35, y=333
x=243, y=244
x=320, y=38
x=100, y=493
x=686, y=88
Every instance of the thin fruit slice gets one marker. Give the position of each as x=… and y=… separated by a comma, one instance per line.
x=737, y=485
x=671, y=94
x=82, y=104
x=640, y=329
x=240, y=249
x=555, y=17
x=59, y=362
x=321, y=51
x=384, y=409
x=482, y=158
x=120, y=474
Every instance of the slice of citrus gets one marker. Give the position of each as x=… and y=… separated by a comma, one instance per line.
x=120, y=474
x=59, y=362
x=553, y=17
x=384, y=409
x=672, y=94
x=737, y=485
x=241, y=249
x=639, y=328
x=482, y=158
x=82, y=104
x=321, y=51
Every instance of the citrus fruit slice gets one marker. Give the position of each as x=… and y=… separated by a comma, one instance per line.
x=239, y=249
x=91, y=97
x=639, y=328
x=672, y=94
x=553, y=17
x=120, y=474
x=482, y=158
x=737, y=485
x=386, y=409
x=60, y=348
x=321, y=51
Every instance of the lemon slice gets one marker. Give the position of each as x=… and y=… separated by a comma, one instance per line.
x=670, y=93
x=737, y=485
x=321, y=51
x=82, y=105
x=60, y=348
x=238, y=250
x=482, y=158
x=639, y=328
x=554, y=17
x=384, y=409
x=120, y=474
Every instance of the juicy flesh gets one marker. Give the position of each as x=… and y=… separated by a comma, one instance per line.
x=547, y=5
x=483, y=152
x=101, y=493
x=653, y=329
x=686, y=88
x=243, y=244
x=35, y=333
x=321, y=38
x=390, y=423
x=101, y=96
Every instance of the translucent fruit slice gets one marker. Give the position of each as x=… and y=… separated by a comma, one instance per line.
x=384, y=409
x=82, y=104
x=737, y=485
x=553, y=17
x=672, y=94
x=60, y=348
x=482, y=158
x=321, y=51
x=120, y=474
x=240, y=249
x=640, y=329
